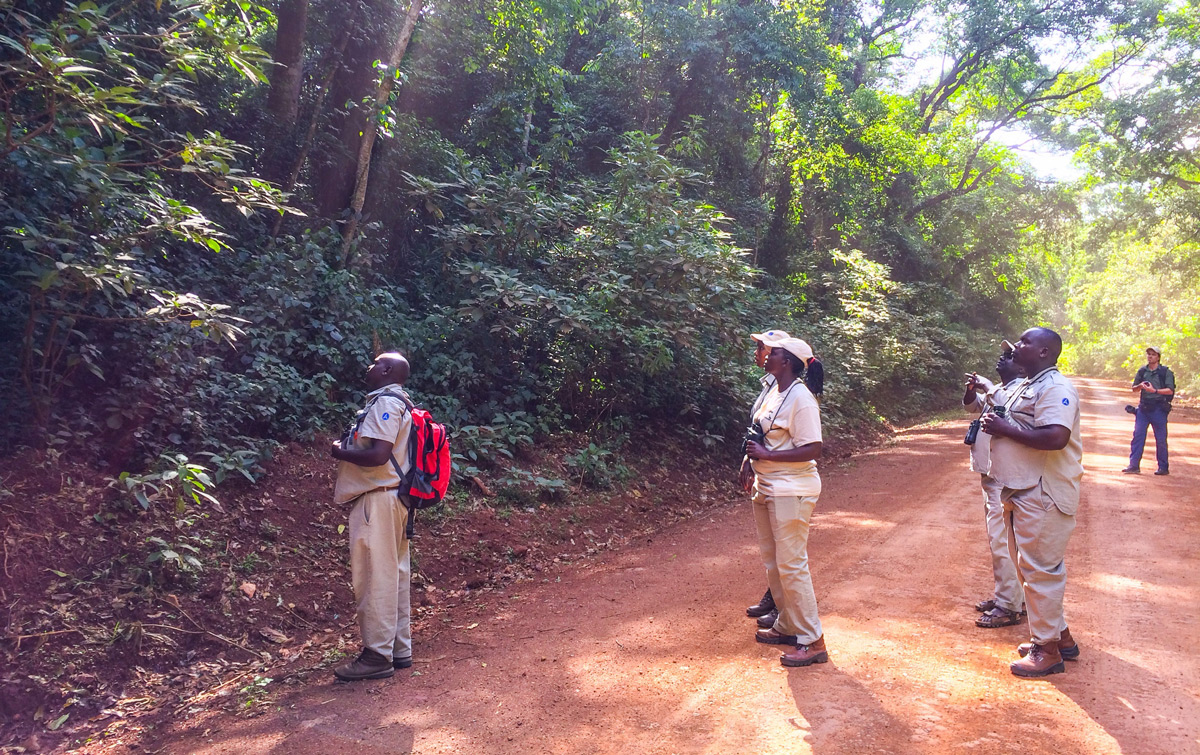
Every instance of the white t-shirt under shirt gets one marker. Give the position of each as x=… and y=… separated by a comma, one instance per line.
x=792, y=419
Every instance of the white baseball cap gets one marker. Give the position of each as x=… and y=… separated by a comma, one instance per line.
x=795, y=346
x=770, y=337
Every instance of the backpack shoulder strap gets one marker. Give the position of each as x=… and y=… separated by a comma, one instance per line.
x=408, y=404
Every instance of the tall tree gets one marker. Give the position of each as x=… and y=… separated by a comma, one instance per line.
x=287, y=76
x=388, y=78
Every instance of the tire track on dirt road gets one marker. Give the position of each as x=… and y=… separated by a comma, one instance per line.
x=648, y=651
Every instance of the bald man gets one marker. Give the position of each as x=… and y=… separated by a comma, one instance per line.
x=373, y=457
x=1037, y=457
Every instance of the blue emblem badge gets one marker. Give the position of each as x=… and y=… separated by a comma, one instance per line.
x=1066, y=402
x=386, y=415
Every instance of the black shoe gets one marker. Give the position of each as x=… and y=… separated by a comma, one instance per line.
x=1161, y=472
x=767, y=620
x=1131, y=470
x=998, y=617
x=402, y=662
x=771, y=637
x=762, y=607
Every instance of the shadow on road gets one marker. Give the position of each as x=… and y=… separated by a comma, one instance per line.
x=1143, y=711
x=835, y=712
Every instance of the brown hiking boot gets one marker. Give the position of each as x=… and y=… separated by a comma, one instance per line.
x=806, y=655
x=1042, y=660
x=1068, y=648
x=368, y=665
x=768, y=621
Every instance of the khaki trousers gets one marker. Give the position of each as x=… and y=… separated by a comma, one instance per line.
x=1007, y=591
x=1037, y=535
x=782, y=524
x=380, y=572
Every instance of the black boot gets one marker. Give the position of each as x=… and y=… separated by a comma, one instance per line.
x=762, y=607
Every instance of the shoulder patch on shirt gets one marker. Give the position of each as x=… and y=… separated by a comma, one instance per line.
x=388, y=416
x=1066, y=402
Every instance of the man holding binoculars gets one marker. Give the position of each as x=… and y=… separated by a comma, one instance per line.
x=1007, y=603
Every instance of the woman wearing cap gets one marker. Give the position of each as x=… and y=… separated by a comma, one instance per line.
x=786, y=488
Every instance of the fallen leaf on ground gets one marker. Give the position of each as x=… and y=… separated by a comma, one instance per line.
x=248, y=589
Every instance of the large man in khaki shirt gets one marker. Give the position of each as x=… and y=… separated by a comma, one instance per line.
x=1037, y=455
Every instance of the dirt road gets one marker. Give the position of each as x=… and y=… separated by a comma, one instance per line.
x=648, y=650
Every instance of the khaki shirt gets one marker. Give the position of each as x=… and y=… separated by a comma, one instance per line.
x=981, y=459
x=792, y=419
x=768, y=382
x=385, y=418
x=1045, y=399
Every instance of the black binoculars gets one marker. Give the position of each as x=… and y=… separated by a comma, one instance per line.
x=973, y=428
x=753, y=433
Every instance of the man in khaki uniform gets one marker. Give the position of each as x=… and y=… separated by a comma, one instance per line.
x=1007, y=604
x=764, y=610
x=1037, y=455
x=369, y=456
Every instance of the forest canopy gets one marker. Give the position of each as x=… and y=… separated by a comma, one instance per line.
x=572, y=213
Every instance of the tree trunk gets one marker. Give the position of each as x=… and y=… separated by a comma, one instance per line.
x=370, y=129
x=283, y=101
x=318, y=111
x=354, y=78
x=773, y=256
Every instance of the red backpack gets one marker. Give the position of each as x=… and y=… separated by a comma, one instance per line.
x=428, y=475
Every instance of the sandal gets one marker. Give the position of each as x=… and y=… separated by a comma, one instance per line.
x=998, y=617
x=984, y=606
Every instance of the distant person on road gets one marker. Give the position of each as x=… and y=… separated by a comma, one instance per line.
x=1037, y=456
x=786, y=488
x=373, y=457
x=1156, y=384
x=1007, y=603
x=764, y=610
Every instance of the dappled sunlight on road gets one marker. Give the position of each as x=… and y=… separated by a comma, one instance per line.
x=1117, y=584
x=849, y=520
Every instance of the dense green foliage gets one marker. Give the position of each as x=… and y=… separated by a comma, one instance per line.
x=577, y=211
x=1135, y=256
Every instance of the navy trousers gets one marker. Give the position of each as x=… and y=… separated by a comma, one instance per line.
x=1156, y=418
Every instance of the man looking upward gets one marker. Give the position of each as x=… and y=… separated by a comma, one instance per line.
x=1007, y=604
x=1037, y=456
x=372, y=458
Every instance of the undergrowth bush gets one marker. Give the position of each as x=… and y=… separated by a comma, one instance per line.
x=618, y=304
